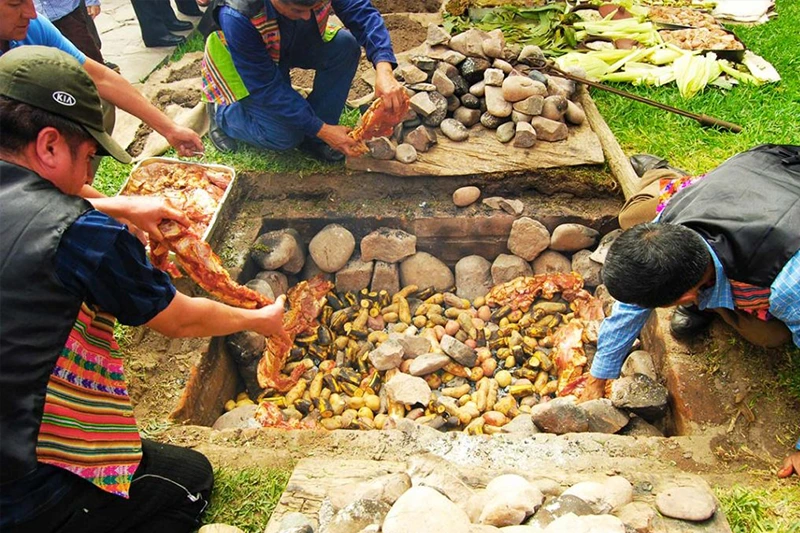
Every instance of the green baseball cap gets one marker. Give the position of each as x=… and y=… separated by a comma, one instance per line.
x=50, y=79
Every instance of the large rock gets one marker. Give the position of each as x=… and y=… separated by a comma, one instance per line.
x=599, y=255
x=405, y=153
x=387, y=488
x=507, y=267
x=358, y=515
x=423, y=104
x=388, y=244
x=469, y=43
x=603, y=417
x=528, y=238
x=573, y=237
x=522, y=424
x=382, y=148
x=640, y=362
x=355, y=275
x=332, y=247
x=278, y=249
x=464, y=196
x=560, y=506
x=261, y=287
x=421, y=138
x=435, y=119
x=411, y=74
x=473, y=277
x=277, y=281
x=242, y=417
x=531, y=55
x=460, y=352
x=437, y=35
x=468, y=117
x=454, y=130
x=586, y=524
x=246, y=349
x=427, y=363
x=408, y=390
x=687, y=503
x=554, y=107
x=518, y=88
x=505, y=132
x=387, y=356
x=512, y=499
x=413, y=345
x=472, y=69
x=525, y=136
x=444, y=85
x=493, y=77
x=496, y=105
x=638, y=517
x=639, y=427
x=590, y=271
x=425, y=509
x=549, y=130
x=531, y=106
x=424, y=270
x=385, y=276
x=560, y=416
x=492, y=122
x=549, y=261
x=641, y=395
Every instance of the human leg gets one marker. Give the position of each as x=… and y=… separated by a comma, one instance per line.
x=153, y=21
x=641, y=207
x=78, y=27
x=770, y=333
x=246, y=121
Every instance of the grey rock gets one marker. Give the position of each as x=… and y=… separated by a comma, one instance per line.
x=490, y=121
x=493, y=77
x=525, y=136
x=412, y=74
x=503, y=65
x=687, y=503
x=507, y=267
x=357, y=516
x=493, y=47
x=573, y=237
x=575, y=113
x=558, y=507
x=423, y=104
x=468, y=117
x=387, y=488
x=381, y=148
x=599, y=255
x=246, y=349
x=601, y=293
x=528, y=238
x=461, y=85
x=424, y=270
x=237, y=418
x=277, y=281
x=603, y=417
x=496, y=103
x=516, y=116
x=537, y=75
x=406, y=153
x=471, y=101
x=425, y=509
x=428, y=363
x=641, y=395
x=278, y=249
x=437, y=35
x=518, y=88
x=448, y=70
x=549, y=130
x=460, y=352
x=559, y=86
x=430, y=471
x=453, y=103
x=453, y=58
x=387, y=356
x=554, y=107
x=512, y=207
x=588, y=269
x=464, y=196
x=423, y=87
x=436, y=118
x=421, y=138
x=355, y=275
x=408, y=390
x=424, y=63
x=531, y=105
x=261, y=287
x=550, y=261
x=522, y=424
x=388, y=244
x=640, y=362
x=332, y=247
x=443, y=84
x=385, y=276
x=473, y=276
x=639, y=427
x=505, y=132
x=472, y=69
x=560, y=416
x=296, y=520
x=638, y=517
x=454, y=130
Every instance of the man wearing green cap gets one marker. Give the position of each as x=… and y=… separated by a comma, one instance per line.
x=21, y=26
x=71, y=458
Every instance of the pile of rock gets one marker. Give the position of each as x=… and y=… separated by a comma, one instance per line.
x=473, y=78
x=440, y=502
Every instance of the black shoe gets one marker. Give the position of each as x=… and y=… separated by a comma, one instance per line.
x=178, y=25
x=687, y=321
x=320, y=150
x=165, y=40
x=112, y=66
x=189, y=8
x=641, y=163
x=219, y=139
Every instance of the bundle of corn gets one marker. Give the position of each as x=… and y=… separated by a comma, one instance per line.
x=441, y=360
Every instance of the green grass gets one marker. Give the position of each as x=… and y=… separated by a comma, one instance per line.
x=768, y=113
x=194, y=43
x=245, y=498
x=773, y=508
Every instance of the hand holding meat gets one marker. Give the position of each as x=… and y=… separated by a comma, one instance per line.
x=337, y=138
x=185, y=140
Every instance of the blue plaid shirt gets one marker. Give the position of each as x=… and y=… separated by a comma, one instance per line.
x=618, y=331
x=56, y=9
x=103, y=263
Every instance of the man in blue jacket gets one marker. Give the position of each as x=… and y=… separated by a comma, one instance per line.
x=247, y=64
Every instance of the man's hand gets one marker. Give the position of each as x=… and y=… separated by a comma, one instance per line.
x=93, y=10
x=790, y=466
x=387, y=87
x=272, y=318
x=144, y=212
x=337, y=138
x=185, y=140
x=595, y=388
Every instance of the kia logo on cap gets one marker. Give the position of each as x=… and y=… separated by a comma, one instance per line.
x=64, y=98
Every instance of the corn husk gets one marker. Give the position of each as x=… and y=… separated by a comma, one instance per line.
x=694, y=72
x=642, y=32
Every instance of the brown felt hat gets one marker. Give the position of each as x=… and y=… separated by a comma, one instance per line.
x=50, y=79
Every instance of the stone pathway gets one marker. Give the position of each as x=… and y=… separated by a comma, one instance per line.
x=122, y=40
